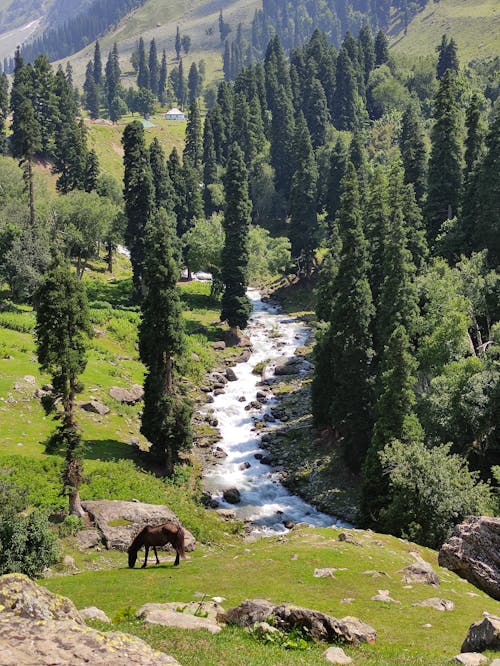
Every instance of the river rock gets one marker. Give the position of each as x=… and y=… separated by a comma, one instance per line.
x=128, y=396
x=483, y=635
x=38, y=627
x=472, y=552
x=232, y=495
x=288, y=366
x=220, y=345
x=231, y=375
x=129, y=519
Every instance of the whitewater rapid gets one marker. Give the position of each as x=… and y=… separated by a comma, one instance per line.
x=265, y=503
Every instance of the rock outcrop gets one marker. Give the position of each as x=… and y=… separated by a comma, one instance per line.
x=483, y=635
x=420, y=572
x=38, y=627
x=473, y=552
x=119, y=522
x=320, y=626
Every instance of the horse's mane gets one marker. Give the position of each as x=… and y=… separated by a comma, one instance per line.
x=137, y=543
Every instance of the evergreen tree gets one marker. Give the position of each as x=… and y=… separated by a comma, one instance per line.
x=316, y=112
x=92, y=172
x=282, y=138
x=338, y=166
x=395, y=420
x=304, y=231
x=92, y=93
x=112, y=83
x=346, y=110
x=377, y=215
x=178, y=43
x=26, y=133
x=447, y=57
x=4, y=112
x=398, y=301
x=62, y=331
x=181, y=90
x=348, y=346
x=166, y=414
x=367, y=50
x=446, y=159
x=97, y=71
x=162, y=79
x=138, y=195
x=163, y=190
x=194, y=140
x=154, y=68
x=194, y=83
x=413, y=151
x=381, y=49
x=143, y=75
x=476, y=131
x=210, y=176
x=487, y=231
x=44, y=102
x=235, y=304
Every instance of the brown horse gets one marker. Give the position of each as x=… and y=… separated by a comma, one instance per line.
x=157, y=536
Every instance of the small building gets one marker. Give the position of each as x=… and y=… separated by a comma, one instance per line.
x=174, y=114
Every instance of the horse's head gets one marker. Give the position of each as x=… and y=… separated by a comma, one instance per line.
x=132, y=557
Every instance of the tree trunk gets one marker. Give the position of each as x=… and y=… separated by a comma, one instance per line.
x=75, y=505
x=110, y=257
x=31, y=190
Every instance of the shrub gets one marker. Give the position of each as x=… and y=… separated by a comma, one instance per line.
x=431, y=491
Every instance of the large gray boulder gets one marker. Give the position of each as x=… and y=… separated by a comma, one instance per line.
x=420, y=572
x=179, y=615
x=128, y=396
x=286, y=617
x=119, y=522
x=38, y=627
x=483, y=635
x=473, y=552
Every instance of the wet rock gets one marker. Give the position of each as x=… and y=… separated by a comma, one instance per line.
x=289, y=524
x=209, y=398
x=219, y=391
x=244, y=356
x=245, y=465
x=269, y=418
x=232, y=495
x=219, y=452
x=288, y=366
x=261, y=395
x=241, y=398
x=266, y=460
x=231, y=375
x=258, y=456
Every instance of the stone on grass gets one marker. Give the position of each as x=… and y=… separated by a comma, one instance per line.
x=324, y=573
x=437, y=604
x=129, y=396
x=420, y=572
x=93, y=613
x=68, y=562
x=336, y=655
x=263, y=628
x=95, y=407
x=249, y=612
x=86, y=539
x=495, y=662
x=470, y=659
x=193, y=615
x=472, y=552
x=383, y=595
x=483, y=635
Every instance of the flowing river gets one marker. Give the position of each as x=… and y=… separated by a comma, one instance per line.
x=264, y=501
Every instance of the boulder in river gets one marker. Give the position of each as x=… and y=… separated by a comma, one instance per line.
x=232, y=495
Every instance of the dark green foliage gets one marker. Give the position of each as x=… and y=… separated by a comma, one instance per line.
x=97, y=70
x=282, y=138
x=91, y=172
x=381, y=49
x=143, y=77
x=316, y=112
x=4, y=111
x=395, y=420
x=194, y=83
x=348, y=344
x=338, y=165
x=209, y=167
x=447, y=57
x=476, y=131
x=178, y=44
x=112, y=85
x=166, y=415
x=377, y=216
x=413, y=151
x=431, y=491
x=154, y=68
x=62, y=331
x=162, y=79
x=163, y=189
x=235, y=304
x=194, y=138
x=304, y=231
x=138, y=194
x=27, y=545
x=346, y=103
x=446, y=160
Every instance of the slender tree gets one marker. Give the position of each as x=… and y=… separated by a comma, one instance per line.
x=166, y=414
x=235, y=303
x=97, y=70
x=154, y=68
x=162, y=79
x=194, y=137
x=178, y=43
x=62, y=331
x=143, y=76
x=413, y=151
x=163, y=190
x=138, y=194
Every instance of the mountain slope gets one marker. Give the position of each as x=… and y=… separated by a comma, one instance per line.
x=475, y=26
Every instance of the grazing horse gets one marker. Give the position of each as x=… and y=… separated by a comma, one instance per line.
x=157, y=536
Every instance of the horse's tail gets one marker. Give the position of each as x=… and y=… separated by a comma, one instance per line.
x=180, y=542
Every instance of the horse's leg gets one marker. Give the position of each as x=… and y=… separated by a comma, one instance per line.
x=176, y=563
x=157, y=559
x=146, y=549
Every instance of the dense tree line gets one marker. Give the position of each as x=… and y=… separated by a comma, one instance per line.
x=79, y=31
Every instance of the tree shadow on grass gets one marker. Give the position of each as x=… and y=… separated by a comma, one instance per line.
x=110, y=449
x=118, y=293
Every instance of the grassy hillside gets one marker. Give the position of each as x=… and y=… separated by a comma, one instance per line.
x=159, y=19
x=281, y=569
x=475, y=26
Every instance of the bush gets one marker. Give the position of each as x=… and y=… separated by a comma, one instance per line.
x=431, y=491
